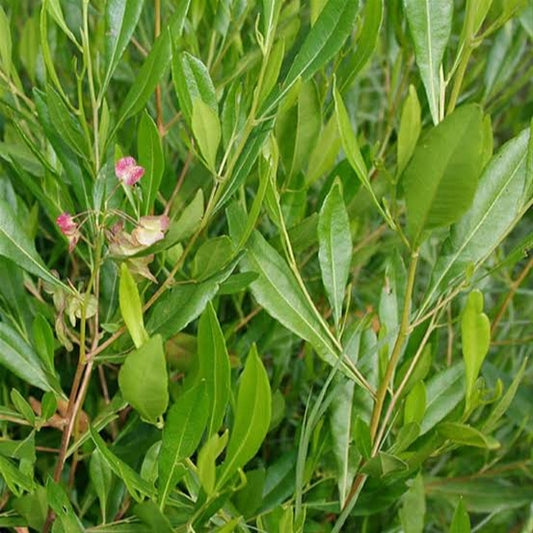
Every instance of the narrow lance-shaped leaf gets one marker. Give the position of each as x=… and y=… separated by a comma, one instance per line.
x=5, y=42
x=441, y=179
x=430, y=23
x=131, y=306
x=497, y=206
x=409, y=131
x=213, y=367
x=184, y=426
x=461, y=520
x=121, y=19
x=475, y=337
x=252, y=417
x=17, y=246
x=151, y=158
x=206, y=129
x=414, y=507
x=143, y=379
x=335, y=248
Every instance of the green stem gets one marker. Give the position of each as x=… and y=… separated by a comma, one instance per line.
x=398, y=346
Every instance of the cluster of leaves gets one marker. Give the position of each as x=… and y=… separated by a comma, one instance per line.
x=325, y=324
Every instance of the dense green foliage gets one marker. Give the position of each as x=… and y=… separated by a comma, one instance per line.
x=263, y=265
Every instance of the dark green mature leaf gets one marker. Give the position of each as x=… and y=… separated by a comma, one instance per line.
x=413, y=507
x=153, y=518
x=143, y=379
x=252, y=417
x=136, y=485
x=211, y=254
x=151, y=157
x=121, y=21
x=213, y=367
x=184, y=427
x=148, y=77
x=324, y=40
x=466, y=435
x=441, y=179
x=278, y=292
x=17, y=246
x=20, y=358
x=183, y=303
x=497, y=205
x=365, y=46
x=444, y=391
x=335, y=248
x=101, y=476
x=16, y=481
x=192, y=81
x=430, y=23
x=66, y=519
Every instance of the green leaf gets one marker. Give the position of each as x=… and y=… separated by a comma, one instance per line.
x=183, y=303
x=101, y=477
x=135, y=484
x=184, y=427
x=206, y=460
x=131, y=306
x=366, y=43
x=151, y=515
x=152, y=159
x=43, y=341
x=497, y=206
x=22, y=406
x=192, y=81
x=121, y=20
x=147, y=79
x=443, y=392
x=341, y=433
x=16, y=481
x=211, y=254
x=475, y=337
x=441, y=179
x=461, y=521
x=333, y=26
x=206, y=129
x=415, y=404
x=430, y=24
x=17, y=246
x=414, y=507
x=143, y=379
x=5, y=42
x=466, y=435
x=213, y=367
x=335, y=248
x=252, y=417
x=66, y=519
x=20, y=358
x=56, y=12
x=278, y=292
x=409, y=130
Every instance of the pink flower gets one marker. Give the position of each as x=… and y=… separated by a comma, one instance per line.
x=69, y=228
x=150, y=229
x=128, y=171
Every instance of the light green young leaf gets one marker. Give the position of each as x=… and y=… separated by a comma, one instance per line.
x=16, y=481
x=135, y=484
x=206, y=129
x=441, y=179
x=213, y=367
x=415, y=404
x=413, y=507
x=475, y=337
x=430, y=24
x=184, y=427
x=148, y=77
x=335, y=248
x=5, y=42
x=206, y=460
x=498, y=204
x=252, y=417
x=152, y=517
x=409, y=130
x=43, y=341
x=17, y=246
x=22, y=406
x=131, y=306
x=461, y=520
x=56, y=12
x=152, y=159
x=121, y=20
x=143, y=379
